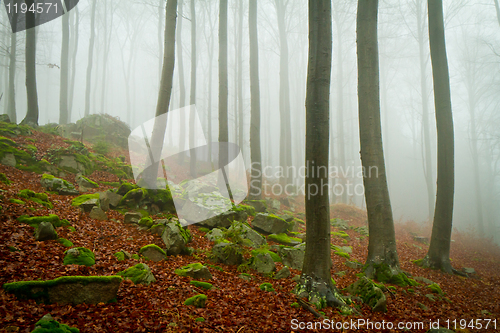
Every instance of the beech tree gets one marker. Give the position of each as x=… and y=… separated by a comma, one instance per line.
x=11, y=98
x=31, y=118
x=90, y=58
x=63, y=89
x=223, y=80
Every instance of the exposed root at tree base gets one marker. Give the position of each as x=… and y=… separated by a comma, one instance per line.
x=442, y=265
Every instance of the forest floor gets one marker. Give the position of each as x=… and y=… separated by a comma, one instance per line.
x=234, y=305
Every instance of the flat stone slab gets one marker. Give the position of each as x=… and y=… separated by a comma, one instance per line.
x=68, y=289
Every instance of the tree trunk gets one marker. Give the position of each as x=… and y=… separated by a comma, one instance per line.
x=315, y=282
x=284, y=97
x=105, y=52
x=11, y=104
x=223, y=81
x=182, y=88
x=162, y=106
x=438, y=256
x=63, y=89
x=31, y=118
x=192, y=100
x=340, y=110
x=497, y=7
x=90, y=59
x=76, y=12
x=255, y=149
x=161, y=7
x=240, y=80
x=382, y=252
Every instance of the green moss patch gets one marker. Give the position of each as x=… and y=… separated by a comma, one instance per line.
x=39, y=198
x=266, y=287
x=36, y=220
x=342, y=254
x=146, y=222
x=154, y=246
x=137, y=274
x=4, y=179
x=384, y=274
x=200, y=284
x=79, y=256
x=436, y=289
x=200, y=319
x=284, y=239
x=341, y=234
x=246, y=208
x=65, y=242
x=84, y=198
x=52, y=326
x=275, y=256
x=16, y=201
x=197, y=300
x=120, y=256
x=183, y=270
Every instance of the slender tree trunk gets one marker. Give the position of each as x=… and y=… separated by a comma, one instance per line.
x=31, y=118
x=76, y=13
x=382, y=252
x=182, y=88
x=315, y=282
x=192, y=100
x=284, y=105
x=90, y=59
x=255, y=149
x=340, y=109
x=430, y=185
x=209, y=108
x=497, y=7
x=438, y=256
x=162, y=106
x=11, y=104
x=223, y=81
x=161, y=8
x=105, y=52
x=63, y=94
x=240, y=80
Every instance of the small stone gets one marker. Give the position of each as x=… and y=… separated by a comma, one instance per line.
x=9, y=160
x=283, y=273
x=45, y=231
x=98, y=214
x=131, y=217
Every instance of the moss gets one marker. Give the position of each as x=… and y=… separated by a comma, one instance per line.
x=83, y=198
x=52, y=326
x=71, y=228
x=246, y=208
x=341, y=234
x=384, y=274
x=36, y=220
x=216, y=267
x=275, y=256
x=16, y=201
x=197, y=300
x=125, y=188
x=185, y=233
x=133, y=197
x=295, y=305
x=343, y=254
x=4, y=179
x=38, y=290
x=13, y=249
x=199, y=319
x=266, y=287
x=65, y=242
x=284, y=239
x=200, y=284
x=183, y=270
x=146, y=222
x=120, y=256
x=86, y=257
x=93, y=183
x=136, y=256
x=436, y=289
x=135, y=273
x=39, y=198
x=6, y=141
x=152, y=246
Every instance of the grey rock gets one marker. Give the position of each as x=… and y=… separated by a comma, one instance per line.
x=4, y=118
x=132, y=217
x=292, y=257
x=248, y=233
x=88, y=205
x=69, y=162
x=296, y=278
x=263, y=263
x=59, y=185
x=422, y=279
x=283, y=273
x=98, y=214
x=245, y=277
x=112, y=197
x=84, y=183
x=173, y=240
x=269, y=224
x=214, y=235
x=197, y=272
x=259, y=205
x=157, y=229
x=224, y=220
x=345, y=249
x=145, y=277
x=9, y=160
x=45, y=231
x=227, y=253
x=469, y=270
x=353, y=265
x=369, y=293
x=153, y=254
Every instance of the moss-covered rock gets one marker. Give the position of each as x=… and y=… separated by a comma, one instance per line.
x=342, y=254
x=61, y=186
x=284, y=239
x=16, y=201
x=39, y=198
x=194, y=270
x=197, y=300
x=384, y=274
x=79, y=256
x=146, y=222
x=48, y=325
x=153, y=252
x=120, y=256
x=436, y=289
x=369, y=293
x=266, y=287
x=13, y=130
x=274, y=256
x=4, y=179
x=84, y=198
x=200, y=284
x=250, y=210
x=139, y=274
x=65, y=242
x=68, y=289
x=36, y=220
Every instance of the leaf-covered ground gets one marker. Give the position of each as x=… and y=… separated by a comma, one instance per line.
x=234, y=305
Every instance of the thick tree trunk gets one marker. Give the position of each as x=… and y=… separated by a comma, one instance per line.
x=76, y=13
x=284, y=97
x=382, y=252
x=162, y=106
x=11, y=104
x=63, y=89
x=31, y=118
x=315, y=282
x=255, y=149
x=438, y=256
x=192, y=100
x=90, y=59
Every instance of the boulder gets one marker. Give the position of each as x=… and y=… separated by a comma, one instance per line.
x=69, y=162
x=283, y=273
x=292, y=257
x=224, y=220
x=175, y=238
x=79, y=256
x=263, y=263
x=246, y=232
x=132, y=217
x=353, y=264
x=48, y=324
x=259, y=205
x=98, y=214
x=61, y=186
x=139, y=274
x=45, y=231
x=88, y=205
x=153, y=252
x=195, y=270
x=214, y=235
x=68, y=289
x=228, y=253
x=369, y=293
x=112, y=197
x=84, y=182
x=269, y=224
x=4, y=118
x=9, y=160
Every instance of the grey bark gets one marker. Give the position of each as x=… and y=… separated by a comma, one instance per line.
x=192, y=100
x=223, y=80
x=382, y=243
x=497, y=7
x=63, y=89
x=90, y=59
x=31, y=90
x=255, y=146
x=11, y=103
x=182, y=88
x=75, y=38
x=438, y=255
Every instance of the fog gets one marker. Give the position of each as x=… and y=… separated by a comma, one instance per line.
x=126, y=72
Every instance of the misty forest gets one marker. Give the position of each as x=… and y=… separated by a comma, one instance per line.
x=249, y=166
